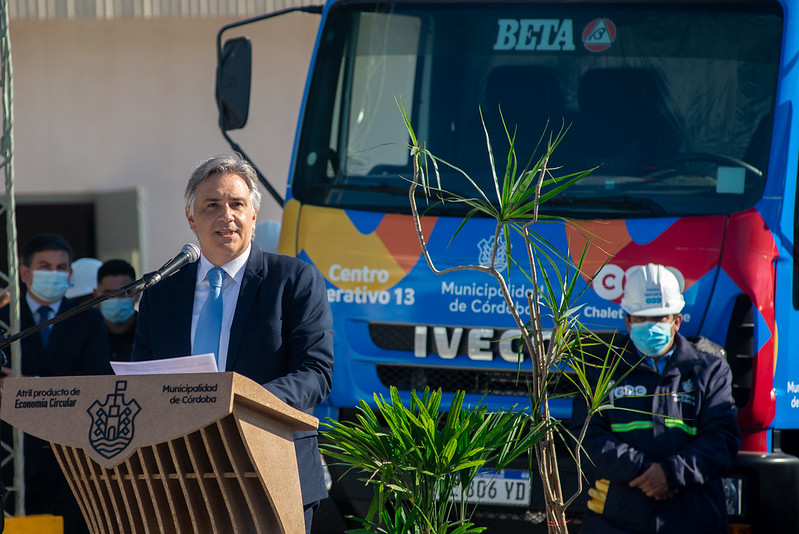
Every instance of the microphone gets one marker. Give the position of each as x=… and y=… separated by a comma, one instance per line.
x=188, y=254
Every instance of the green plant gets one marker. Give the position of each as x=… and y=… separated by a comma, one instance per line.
x=514, y=206
x=417, y=455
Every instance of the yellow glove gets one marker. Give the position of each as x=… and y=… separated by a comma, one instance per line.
x=597, y=495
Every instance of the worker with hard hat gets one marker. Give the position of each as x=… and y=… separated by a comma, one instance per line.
x=83, y=281
x=656, y=453
x=652, y=302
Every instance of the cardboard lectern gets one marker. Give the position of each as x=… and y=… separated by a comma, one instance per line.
x=168, y=453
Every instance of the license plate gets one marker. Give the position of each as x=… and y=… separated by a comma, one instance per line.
x=504, y=487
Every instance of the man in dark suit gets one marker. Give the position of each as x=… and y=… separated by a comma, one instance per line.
x=276, y=324
x=75, y=346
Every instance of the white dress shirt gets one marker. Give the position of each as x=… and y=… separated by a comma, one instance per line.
x=230, y=296
x=34, y=306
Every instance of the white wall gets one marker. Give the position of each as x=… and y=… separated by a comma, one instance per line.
x=109, y=105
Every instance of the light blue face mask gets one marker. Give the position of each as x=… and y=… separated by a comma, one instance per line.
x=651, y=338
x=49, y=286
x=117, y=310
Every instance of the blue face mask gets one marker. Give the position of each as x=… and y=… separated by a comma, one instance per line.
x=49, y=286
x=117, y=310
x=652, y=339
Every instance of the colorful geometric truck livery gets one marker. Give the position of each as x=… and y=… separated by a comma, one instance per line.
x=683, y=110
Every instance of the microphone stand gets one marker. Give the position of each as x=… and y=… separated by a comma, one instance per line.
x=130, y=290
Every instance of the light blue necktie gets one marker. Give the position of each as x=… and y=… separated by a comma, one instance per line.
x=209, y=325
x=45, y=313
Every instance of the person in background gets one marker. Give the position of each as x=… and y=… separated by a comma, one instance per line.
x=263, y=315
x=83, y=279
x=656, y=457
x=75, y=346
x=119, y=312
x=5, y=296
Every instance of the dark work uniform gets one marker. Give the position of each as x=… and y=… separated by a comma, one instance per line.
x=683, y=419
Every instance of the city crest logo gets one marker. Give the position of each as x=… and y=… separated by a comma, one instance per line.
x=485, y=248
x=112, y=422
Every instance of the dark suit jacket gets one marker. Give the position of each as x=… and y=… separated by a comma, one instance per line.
x=281, y=337
x=77, y=346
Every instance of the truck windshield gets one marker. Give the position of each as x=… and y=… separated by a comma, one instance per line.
x=673, y=104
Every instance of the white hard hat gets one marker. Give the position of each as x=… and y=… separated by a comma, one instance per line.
x=651, y=290
x=84, y=277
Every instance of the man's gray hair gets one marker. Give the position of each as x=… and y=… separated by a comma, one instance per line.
x=225, y=164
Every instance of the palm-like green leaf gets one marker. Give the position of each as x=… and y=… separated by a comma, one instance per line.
x=420, y=453
x=414, y=455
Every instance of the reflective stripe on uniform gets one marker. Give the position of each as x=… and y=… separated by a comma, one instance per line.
x=632, y=425
x=643, y=425
x=679, y=423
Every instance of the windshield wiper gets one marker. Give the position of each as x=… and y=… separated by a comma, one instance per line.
x=380, y=187
x=603, y=204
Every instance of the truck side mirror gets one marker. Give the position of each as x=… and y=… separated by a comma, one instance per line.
x=233, y=78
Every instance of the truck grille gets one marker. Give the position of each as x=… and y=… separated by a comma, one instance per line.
x=511, y=383
x=449, y=380
x=392, y=336
x=473, y=381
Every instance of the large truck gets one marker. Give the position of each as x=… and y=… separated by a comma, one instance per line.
x=684, y=108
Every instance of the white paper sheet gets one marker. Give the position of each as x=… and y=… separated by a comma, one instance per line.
x=202, y=363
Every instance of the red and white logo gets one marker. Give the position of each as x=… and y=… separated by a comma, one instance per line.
x=599, y=34
x=608, y=282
